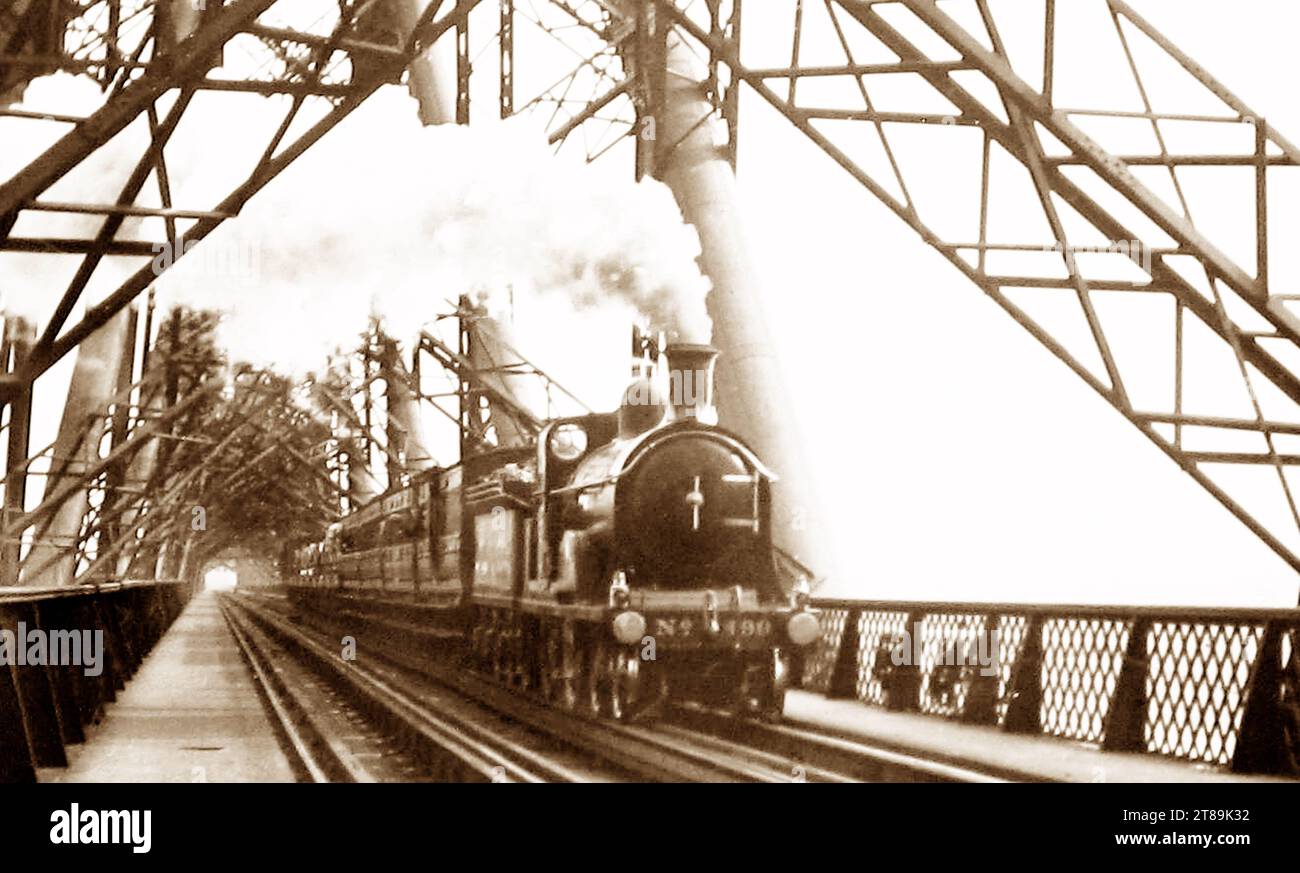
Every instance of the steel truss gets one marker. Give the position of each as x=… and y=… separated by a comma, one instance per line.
x=235, y=455
x=467, y=381
x=1094, y=201
x=327, y=63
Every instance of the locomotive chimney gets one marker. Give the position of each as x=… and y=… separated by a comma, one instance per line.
x=690, y=381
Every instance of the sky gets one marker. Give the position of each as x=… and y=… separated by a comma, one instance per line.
x=956, y=459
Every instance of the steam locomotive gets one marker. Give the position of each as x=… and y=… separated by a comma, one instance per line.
x=624, y=561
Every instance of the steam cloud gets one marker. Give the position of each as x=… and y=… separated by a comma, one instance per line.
x=388, y=218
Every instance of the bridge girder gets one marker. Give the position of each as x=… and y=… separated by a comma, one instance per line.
x=1079, y=181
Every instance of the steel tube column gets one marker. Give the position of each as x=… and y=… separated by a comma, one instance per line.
x=752, y=396
x=491, y=351
x=22, y=334
x=435, y=85
x=52, y=559
x=405, y=425
x=434, y=91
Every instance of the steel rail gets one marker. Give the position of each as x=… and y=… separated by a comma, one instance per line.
x=314, y=754
x=485, y=752
x=676, y=751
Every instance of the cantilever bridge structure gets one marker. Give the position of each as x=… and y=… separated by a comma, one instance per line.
x=100, y=527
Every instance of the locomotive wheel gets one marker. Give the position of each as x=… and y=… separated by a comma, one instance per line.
x=569, y=668
x=738, y=700
x=476, y=647
x=613, y=682
x=509, y=661
x=520, y=658
x=487, y=640
x=597, y=675
x=507, y=676
x=771, y=703
x=549, y=674
x=498, y=647
x=652, y=689
x=623, y=684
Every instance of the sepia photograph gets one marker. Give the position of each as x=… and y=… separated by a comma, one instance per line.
x=454, y=392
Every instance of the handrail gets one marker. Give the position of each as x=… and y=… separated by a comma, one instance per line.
x=1068, y=610
x=35, y=594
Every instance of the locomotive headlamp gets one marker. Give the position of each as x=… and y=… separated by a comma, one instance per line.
x=568, y=442
x=803, y=628
x=629, y=627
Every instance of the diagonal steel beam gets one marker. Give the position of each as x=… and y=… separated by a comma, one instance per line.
x=95, y=317
x=188, y=61
x=1163, y=277
x=1099, y=160
x=132, y=444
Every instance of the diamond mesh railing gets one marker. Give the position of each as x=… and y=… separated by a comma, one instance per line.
x=1220, y=686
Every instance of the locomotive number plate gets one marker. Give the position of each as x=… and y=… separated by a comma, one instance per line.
x=738, y=628
x=747, y=627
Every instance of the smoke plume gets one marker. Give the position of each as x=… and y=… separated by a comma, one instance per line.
x=391, y=219
x=384, y=217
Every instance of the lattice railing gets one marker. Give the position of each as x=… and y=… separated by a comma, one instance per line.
x=1219, y=686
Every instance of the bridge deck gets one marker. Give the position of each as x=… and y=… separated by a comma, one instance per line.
x=190, y=714
x=1034, y=757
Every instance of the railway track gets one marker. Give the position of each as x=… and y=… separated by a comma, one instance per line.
x=327, y=739
x=351, y=723
x=650, y=751
x=817, y=751
x=693, y=744
x=617, y=752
